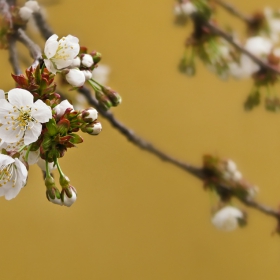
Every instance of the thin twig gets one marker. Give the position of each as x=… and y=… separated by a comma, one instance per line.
x=216, y=30
x=35, y=50
x=5, y=11
x=13, y=56
x=232, y=10
x=143, y=144
x=44, y=28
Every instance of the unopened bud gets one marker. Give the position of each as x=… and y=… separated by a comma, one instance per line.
x=68, y=196
x=96, y=57
x=93, y=128
x=32, y=5
x=53, y=195
x=76, y=63
x=75, y=77
x=89, y=115
x=104, y=101
x=25, y=13
x=113, y=95
x=87, y=60
x=88, y=74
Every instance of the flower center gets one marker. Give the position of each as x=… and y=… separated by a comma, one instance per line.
x=20, y=118
x=62, y=51
x=6, y=174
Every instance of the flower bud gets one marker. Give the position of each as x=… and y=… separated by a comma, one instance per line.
x=75, y=78
x=32, y=5
x=76, y=62
x=53, y=195
x=96, y=57
x=25, y=13
x=89, y=115
x=88, y=74
x=104, y=101
x=62, y=107
x=228, y=218
x=87, y=60
x=93, y=128
x=68, y=196
x=113, y=96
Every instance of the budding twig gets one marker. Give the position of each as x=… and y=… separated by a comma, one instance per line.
x=13, y=57
x=44, y=28
x=143, y=144
x=216, y=30
x=35, y=50
x=232, y=10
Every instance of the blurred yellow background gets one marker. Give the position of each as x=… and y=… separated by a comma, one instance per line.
x=137, y=218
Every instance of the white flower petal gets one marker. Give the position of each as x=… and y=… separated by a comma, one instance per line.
x=50, y=66
x=5, y=160
x=20, y=97
x=41, y=112
x=51, y=46
x=32, y=134
x=2, y=94
x=9, y=135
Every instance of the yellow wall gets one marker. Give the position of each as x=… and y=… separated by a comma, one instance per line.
x=137, y=218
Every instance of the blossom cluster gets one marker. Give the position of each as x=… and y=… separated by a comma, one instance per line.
x=223, y=58
x=37, y=126
x=224, y=178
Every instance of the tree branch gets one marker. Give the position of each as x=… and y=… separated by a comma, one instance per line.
x=216, y=30
x=44, y=28
x=13, y=57
x=232, y=10
x=143, y=144
x=35, y=50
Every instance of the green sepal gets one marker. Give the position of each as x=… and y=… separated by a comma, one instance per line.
x=52, y=128
x=76, y=139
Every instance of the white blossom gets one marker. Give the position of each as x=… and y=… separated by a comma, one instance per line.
x=75, y=78
x=21, y=118
x=236, y=176
x=87, y=60
x=226, y=219
x=13, y=175
x=62, y=107
x=33, y=156
x=186, y=8
x=259, y=47
x=231, y=166
x=60, y=54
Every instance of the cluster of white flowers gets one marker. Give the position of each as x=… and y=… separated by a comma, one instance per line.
x=186, y=8
x=231, y=171
x=21, y=124
x=28, y=9
x=228, y=218
x=63, y=55
x=260, y=47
